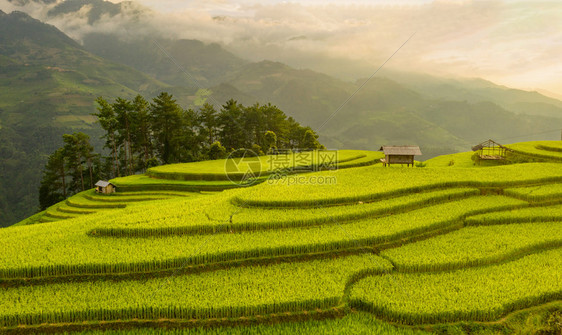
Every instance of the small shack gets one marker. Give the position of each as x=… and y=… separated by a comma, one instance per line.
x=399, y=154
x=105, y=187
x=491, y=150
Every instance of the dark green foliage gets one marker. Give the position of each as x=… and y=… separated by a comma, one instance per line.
x=310, y=140
x=53, y=186
x=270, y=140
x=208, y=123
x=163, y=132
x=140, y=135
x=166, y=121
x=217, y=151
x=69, y=170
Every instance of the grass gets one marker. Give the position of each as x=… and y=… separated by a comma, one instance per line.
x=546, y=150
x=209, y=215
x=372, y=183
x=145, y=183
x=480, y=294
x=461, y=159
x=536, y=193
x=77, y=253
x=234, y=292
x=236, y=168
x=474, y=246
x=89, y=202
x=457, y=243
x=358, y=323
x=524, y=215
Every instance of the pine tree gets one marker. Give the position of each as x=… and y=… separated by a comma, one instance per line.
x=53, y=185
x=208, y=121
x=142, y=137
x=166, y=120
x=108, y=121
x=125, y=119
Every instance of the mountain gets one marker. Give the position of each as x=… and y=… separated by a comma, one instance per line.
x=49, y=84
x=383, y=110
x=479, y=90
x=164, y=59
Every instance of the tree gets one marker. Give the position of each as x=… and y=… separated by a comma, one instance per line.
x=78, y=151
x=216, y=151
x=270, y=140
x=166, y=120
x=108, y=121
x=125, y=119
x=189, y=142
x=142, y=137
x=53, y=184
x=208, y=123
x=252, y=121
x=231, y=132
x=275, y=120
x=310, y=140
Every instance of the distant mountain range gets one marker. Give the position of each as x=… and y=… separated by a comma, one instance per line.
x=49, y=82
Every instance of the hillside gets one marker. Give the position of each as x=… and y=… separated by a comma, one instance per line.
x=207, y=64
x=358, y=248
x=384, y=111
x=479, y=90
x=49, y=84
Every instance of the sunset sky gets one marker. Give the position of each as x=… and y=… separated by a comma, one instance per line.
x=515, y=43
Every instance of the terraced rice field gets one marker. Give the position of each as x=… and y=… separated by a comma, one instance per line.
x=383, y=250
x=90, y=202
x=236, y=168
x=543, y=150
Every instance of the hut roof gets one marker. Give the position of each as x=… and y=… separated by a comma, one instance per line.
x=488, y=144
x=103, y=183
x=401, y=150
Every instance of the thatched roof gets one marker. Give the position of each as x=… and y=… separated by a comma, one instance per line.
x=405, y=150
x=103, y=183
x=488, y=144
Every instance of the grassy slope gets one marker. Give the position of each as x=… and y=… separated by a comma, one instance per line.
x=74, y=246
x=49, y=86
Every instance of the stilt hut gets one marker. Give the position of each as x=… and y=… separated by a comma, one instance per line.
x=491, y=150
x=399, y=154
x=105, y=187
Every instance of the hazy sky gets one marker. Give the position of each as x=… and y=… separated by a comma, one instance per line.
x=516, y=43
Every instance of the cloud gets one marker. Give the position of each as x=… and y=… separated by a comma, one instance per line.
x=514, y=43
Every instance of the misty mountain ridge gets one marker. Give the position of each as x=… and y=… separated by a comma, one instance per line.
x=50, y=82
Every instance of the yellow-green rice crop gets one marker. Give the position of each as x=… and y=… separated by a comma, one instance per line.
x=145, y=183
x=547, y=150
x=218, y=214
x=480, y=294
x=461, y=159
x=124, y=199
x=67, y=250
x=226, y=169
x=373, y=183
x=356, y=323
x=537, y=193
x=532, y=214
x=478, y=245
x=242, y=291
x=79, y=201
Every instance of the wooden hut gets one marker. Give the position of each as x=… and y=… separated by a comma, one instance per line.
x=105, y=187
x=491, y=150
x=399, y=154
